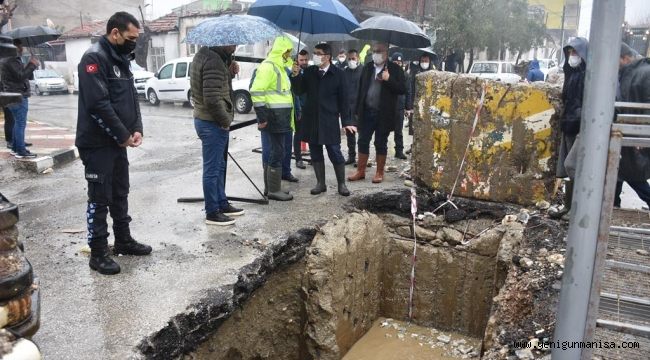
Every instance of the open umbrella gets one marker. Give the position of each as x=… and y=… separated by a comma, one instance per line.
x=308, y=16
x=392, y=30
x=34, y=35
x=411, y=54
x=232, y=30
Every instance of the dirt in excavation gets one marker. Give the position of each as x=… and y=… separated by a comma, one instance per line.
x=390, y=339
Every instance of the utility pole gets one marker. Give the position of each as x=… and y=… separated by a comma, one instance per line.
x=575, y=320
x=562, y=36
x=81, y=20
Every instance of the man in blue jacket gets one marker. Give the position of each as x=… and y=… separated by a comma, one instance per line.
x=108, y=122
x=534, y=73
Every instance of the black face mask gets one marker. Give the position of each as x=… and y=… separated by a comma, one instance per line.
x=126, y=48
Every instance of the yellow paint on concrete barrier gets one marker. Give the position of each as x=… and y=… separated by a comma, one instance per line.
x=512, y=151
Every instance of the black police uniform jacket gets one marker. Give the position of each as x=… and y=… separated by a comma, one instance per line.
x=109, y=112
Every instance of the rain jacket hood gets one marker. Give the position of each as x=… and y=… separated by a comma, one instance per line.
x=533, y=65
x=581, y=45
x=281, y=45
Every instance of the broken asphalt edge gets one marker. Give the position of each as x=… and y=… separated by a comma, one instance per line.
x=42, y=163
x=184, y=332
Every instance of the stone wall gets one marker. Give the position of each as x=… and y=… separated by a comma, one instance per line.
x=512, y=152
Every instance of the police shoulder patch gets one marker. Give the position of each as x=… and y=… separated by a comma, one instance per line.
x=92, y=68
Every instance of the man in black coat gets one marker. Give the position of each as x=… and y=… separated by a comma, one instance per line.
x=326, y=99
x=108, y=122
x=381, y=84
x=575, y=66
x=634, y=86
x=15, y=79
x=353, y=72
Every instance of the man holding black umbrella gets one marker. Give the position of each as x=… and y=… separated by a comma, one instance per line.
x=381, y=84
x=15, y=78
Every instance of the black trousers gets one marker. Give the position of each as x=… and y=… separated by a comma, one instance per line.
x=399, y=131
x=297, y=135
x=352, y=144
x=107, y=173
x=9, y=125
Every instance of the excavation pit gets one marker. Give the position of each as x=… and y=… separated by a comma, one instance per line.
x=356, y=273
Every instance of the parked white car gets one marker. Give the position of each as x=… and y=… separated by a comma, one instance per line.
x=495, y=70
x=140, y=77
x=172, y=84
x=48, y=81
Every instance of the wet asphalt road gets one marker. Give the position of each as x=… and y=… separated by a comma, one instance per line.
x=86, y=315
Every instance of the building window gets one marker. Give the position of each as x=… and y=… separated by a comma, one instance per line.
x=191, y=48
x=157, y=56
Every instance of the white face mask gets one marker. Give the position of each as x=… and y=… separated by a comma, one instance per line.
x=378, y=59
x=352, y=64
x=575, y=61
x=424, y=66
x=341, y=59
x=317, y=60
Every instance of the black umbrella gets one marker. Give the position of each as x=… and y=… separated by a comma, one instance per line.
x=392, y=30
x=34, y=35
x=411, y=54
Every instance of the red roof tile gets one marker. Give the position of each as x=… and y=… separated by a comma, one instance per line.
x=165, y=23
x=88, y=29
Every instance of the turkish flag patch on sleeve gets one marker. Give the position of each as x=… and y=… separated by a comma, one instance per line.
x=92, y=68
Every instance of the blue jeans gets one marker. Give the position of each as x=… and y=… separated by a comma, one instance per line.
x=370, y=126
x=333, y=152
x=266, y=151
x=214, y=141
x=19, y=112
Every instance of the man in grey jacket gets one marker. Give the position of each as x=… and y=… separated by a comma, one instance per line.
x=211, y=85
x=15, y=78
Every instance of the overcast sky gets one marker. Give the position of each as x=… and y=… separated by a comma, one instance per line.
x=636, y=11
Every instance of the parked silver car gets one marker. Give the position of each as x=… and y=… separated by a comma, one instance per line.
x=48, y=81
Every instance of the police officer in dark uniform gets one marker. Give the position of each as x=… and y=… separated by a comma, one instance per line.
x=108, y=122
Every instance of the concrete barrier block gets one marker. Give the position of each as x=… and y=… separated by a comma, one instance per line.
x=511, y=155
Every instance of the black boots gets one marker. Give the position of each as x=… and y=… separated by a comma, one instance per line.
x=128, y=246
x=100, y=259
x=321, y=186
x=340, y=179
x=101, y=262
x=319, y=170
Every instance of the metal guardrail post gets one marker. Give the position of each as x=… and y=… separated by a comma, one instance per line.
x=598, y=112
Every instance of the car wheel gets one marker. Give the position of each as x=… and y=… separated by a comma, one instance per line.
x=243, y=103
x=153, y=98
x=37, y=91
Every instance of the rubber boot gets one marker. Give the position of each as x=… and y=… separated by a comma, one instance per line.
x=379, y=175
x=340, y=179
x=361, y=168
x=274, y=178
x=266, y=182
x=100, y=261
x=319, y=170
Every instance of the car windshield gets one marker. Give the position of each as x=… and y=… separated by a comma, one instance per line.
x=485, y=68
x=46, y=74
